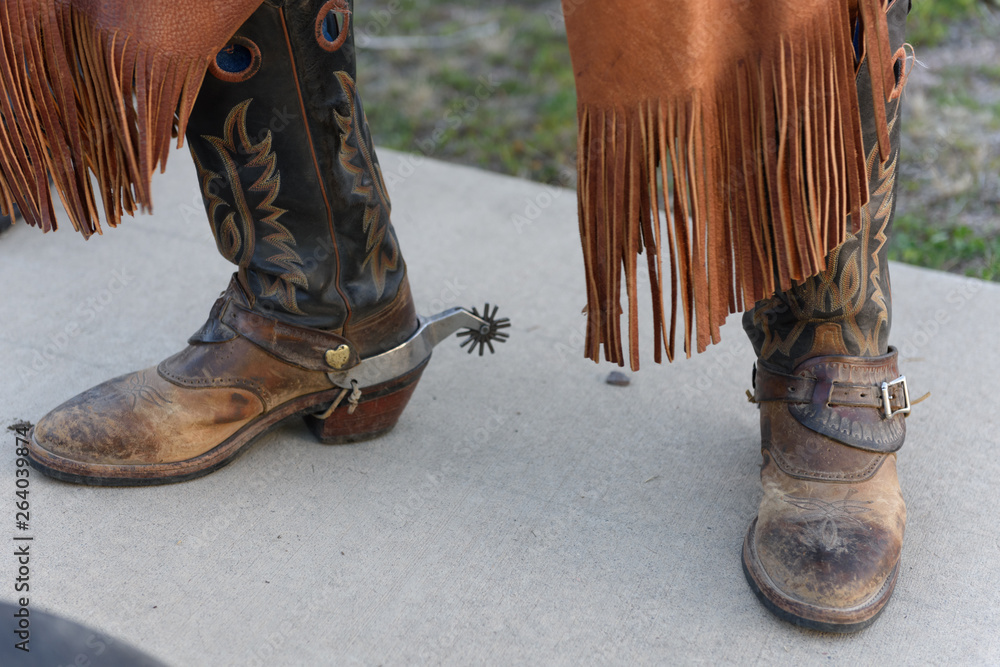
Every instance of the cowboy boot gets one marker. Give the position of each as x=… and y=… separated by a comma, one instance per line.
x=824, y=549
x=319, y=310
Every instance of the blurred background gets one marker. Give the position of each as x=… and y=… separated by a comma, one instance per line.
x=492, y=87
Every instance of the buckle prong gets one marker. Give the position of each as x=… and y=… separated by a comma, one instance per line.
x=886, y=398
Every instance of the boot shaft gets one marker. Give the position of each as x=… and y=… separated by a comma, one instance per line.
x=290, y=180
x=847, y=309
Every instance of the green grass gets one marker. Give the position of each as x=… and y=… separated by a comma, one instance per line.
x=957, y=82
x=929, y=20
x=505, y=102
x=950, y=171
x=957, y=248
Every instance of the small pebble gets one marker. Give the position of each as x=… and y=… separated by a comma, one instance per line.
x=618, y=379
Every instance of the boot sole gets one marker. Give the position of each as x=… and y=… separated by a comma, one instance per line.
x=803, y=614
x=377, y=412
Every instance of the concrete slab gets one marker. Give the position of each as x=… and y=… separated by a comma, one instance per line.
x=522, y=512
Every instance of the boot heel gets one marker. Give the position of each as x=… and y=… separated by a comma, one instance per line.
x=377, y=412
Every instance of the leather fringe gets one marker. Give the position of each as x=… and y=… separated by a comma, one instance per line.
x=81, y=99
x=757, y=180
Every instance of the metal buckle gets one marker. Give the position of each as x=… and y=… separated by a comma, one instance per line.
x=887, y=407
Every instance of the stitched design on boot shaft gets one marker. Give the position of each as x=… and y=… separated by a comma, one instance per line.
x=845, y=309
x=253, y=181
x=381, y=251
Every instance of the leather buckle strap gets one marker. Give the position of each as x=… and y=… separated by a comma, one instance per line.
x=771, y=386
x=853, y=400
x=311, y=349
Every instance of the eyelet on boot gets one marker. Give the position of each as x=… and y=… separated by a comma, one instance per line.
x=900, y=71
x=237, y=61
x=328, y=19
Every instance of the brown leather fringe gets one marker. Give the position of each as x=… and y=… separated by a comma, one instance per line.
x=83, y=94
x=757, y=179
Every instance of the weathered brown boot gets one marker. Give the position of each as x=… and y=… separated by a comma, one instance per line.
x=824, y=549
x=318, y=320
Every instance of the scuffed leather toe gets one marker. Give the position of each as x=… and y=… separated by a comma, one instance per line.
x=140, y=418
x=826, y=556
x=831, y=547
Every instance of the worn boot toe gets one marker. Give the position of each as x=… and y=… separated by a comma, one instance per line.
x=140, y=419
x=824, y=549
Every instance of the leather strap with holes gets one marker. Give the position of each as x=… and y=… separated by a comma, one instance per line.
x=841, y=398
x=776, y=386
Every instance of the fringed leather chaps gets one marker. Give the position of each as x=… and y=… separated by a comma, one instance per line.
x=99, y=87
x=741, y=120
x=847, y=308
